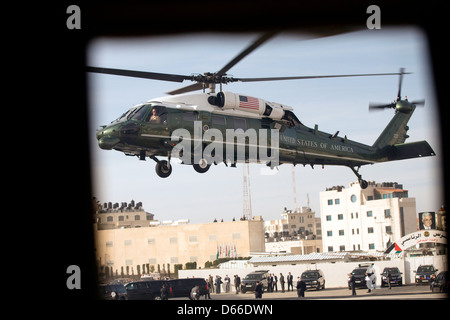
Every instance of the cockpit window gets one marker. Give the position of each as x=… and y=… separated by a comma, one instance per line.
x=157, y=115
x=138, y=113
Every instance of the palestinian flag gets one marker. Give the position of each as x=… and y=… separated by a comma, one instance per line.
x=397, y=248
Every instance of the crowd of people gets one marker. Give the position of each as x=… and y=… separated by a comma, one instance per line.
x=217, y=285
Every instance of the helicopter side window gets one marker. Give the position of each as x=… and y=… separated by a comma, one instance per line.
x=189, y=116
x=157, y=115
x=240, y=123
x=219, y=120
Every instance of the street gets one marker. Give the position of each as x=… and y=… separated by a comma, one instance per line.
x=405, y=292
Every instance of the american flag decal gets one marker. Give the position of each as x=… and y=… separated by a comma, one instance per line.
x=248, y=103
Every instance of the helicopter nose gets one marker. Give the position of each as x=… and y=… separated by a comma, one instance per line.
x=106, y=139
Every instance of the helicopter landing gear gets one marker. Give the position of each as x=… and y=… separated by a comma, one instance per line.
x=163, y=168
x=202, y=166
x=362, y=183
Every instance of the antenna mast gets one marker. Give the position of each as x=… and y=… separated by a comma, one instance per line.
x=247, y=203
x=295, y=190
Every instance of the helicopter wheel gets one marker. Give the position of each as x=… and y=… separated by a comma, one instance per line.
x=163, y=169
x=363, y=184
x=202, y=166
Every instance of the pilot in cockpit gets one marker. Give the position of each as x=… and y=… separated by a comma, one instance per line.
x=154, y=117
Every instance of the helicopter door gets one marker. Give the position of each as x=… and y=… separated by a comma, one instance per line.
x=155, y=124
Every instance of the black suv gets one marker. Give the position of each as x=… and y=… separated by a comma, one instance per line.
x=249, y=282
x=114, y=291
x=314, y=279
x=183, y=287
x=396, y=276
x=425, y=274
x=441, y=282
x=145, y=290
x=360, y=275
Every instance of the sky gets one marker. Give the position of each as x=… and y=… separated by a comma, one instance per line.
x=334, y=104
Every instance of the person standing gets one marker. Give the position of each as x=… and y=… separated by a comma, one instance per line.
x=290, y=280
x=258, y=290
x=237, y=283
x=218, y=283
x=164, y=292
x=282, y=282
x=211, y=283
x=270, y=283
x=389, y=278
x=301, y=288
x=275, y=283
x=352, y=283
x=227, y=284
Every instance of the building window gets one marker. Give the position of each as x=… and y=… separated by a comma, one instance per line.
x=173, y=259
x=371, y=246
x=329, y=233
x=212, y=237
x=236, y=236
x=109, y=244
x=128, y=242
x=192, y=239
x=370, y=230
x=330, y=249
x=120, y=218
x=369, y=213
x=173, y=240
x=330, y=202
x=341, y=232
x=387, y=213
x=353, y=198
x=109, y=219
x=340, y=217
x=129, y=262
x=151, y=241
x=341, y=248
x=137, y=217
x=388, y=229
x=337, y=201
x=328, y=218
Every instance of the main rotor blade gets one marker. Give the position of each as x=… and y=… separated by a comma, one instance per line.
x=419, y=102
x=245, y=52
x=140, y=74
x=316, y=77
x=377, y=106
x=192, y=87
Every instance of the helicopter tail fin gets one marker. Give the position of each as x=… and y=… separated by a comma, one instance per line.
x=395, y=131
x=390, y=143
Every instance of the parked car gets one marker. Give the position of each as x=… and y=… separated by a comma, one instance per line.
x=360, y=275
x=249, y=282
x=396, y=276
x=183, y=287
x=425, y=274
x=314, y=279
x=441, y=282
x=145, y=290
x=114, y=291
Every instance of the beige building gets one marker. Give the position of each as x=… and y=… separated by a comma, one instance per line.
x=126, y=248
x=300, y=223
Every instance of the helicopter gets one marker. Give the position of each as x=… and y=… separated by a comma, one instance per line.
x=209, y=128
